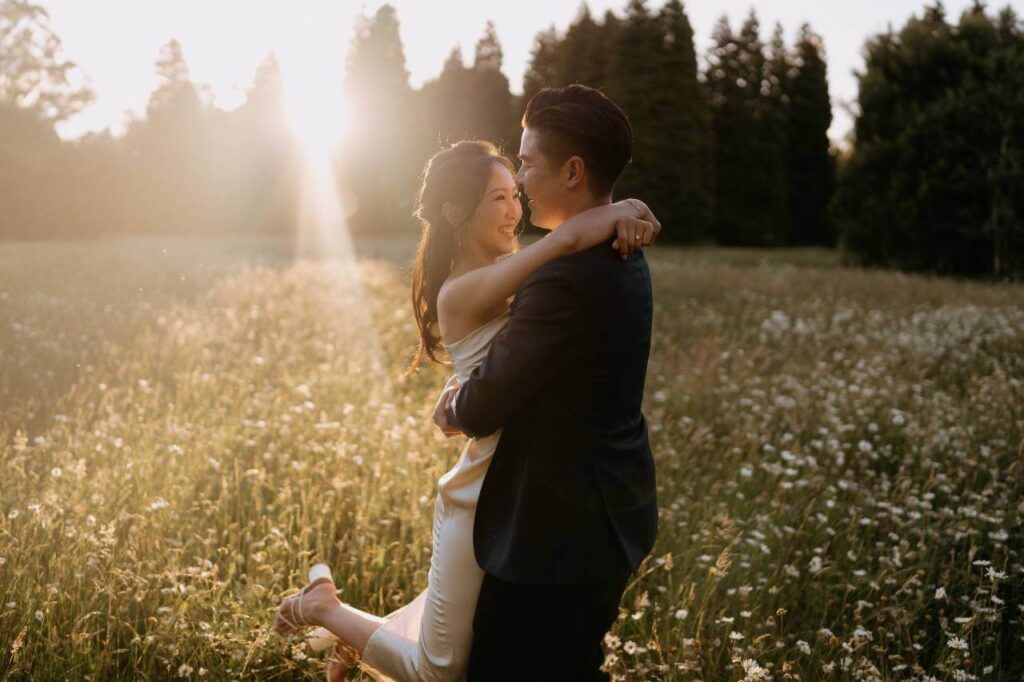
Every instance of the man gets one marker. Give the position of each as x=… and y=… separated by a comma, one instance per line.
x=568, y=509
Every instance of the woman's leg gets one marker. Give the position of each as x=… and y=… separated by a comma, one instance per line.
x=438, y=648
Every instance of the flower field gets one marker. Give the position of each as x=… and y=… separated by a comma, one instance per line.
x=187, y=424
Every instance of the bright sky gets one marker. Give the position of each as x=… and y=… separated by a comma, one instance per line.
x=116, y=42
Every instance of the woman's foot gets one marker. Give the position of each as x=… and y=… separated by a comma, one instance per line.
x=340, y=661
x=305, y=608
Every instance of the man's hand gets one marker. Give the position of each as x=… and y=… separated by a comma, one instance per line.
x=447, y=396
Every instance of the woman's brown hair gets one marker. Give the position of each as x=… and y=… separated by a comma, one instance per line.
x=457, y=175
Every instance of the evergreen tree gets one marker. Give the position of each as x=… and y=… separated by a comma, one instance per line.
x=749, y=167
x=169, y=151
x=259, y=158
x=543, y=69
x=774, y=112
x=494, y=115
x=684, y=156
x=382, y=154
x=634, y=87
x=810, y=166
x=934, y=180
x=733, y=127
x=175, y=102
x=583, y=55
x=447, y=101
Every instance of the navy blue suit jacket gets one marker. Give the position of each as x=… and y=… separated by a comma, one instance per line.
x=569, y=496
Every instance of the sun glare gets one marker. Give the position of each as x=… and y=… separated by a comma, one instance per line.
x=316, y=109
x=317, y=115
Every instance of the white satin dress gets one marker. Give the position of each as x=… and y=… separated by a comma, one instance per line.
x=429, y=638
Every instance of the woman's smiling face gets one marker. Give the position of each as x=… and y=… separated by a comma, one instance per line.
x=492, y=227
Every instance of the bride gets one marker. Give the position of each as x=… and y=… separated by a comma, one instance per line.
x=462, y=286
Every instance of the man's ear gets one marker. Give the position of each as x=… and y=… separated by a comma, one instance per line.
x=454, y=215
x=574, y=171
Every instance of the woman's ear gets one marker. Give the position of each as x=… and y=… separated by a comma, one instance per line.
x=454, y=215
x=574, y=170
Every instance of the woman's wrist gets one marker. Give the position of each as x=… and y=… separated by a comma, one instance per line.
x=636, y=205
x=567, y=238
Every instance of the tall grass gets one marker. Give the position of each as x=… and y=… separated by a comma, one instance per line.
x=187, y=425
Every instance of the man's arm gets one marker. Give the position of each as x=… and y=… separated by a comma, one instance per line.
x=523, y=357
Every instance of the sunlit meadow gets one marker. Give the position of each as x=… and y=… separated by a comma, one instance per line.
x=188, y=424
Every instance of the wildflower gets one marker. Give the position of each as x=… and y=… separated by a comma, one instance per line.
x=994, y=574
x=860, y=633
x=735, y=636
x=753, y=670
x=940, y=593
x=681, y=614
x=804, y=647
x=957, y=643
x=56, y=472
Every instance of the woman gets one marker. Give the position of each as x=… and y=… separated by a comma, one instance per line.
x=462, y=284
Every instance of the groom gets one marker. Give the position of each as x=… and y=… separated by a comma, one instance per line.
x=567, y=509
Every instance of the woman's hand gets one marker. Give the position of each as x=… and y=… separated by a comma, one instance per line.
x=636, y=232
x=633, y=234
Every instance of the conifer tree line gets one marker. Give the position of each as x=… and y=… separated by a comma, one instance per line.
x=935, y=181
x=730, y=146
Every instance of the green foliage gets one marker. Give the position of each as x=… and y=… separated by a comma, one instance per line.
x=935, y=180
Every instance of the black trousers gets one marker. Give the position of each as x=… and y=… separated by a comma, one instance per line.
x=542, y=632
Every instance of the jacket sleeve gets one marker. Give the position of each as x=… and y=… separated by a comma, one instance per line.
x=523, y=357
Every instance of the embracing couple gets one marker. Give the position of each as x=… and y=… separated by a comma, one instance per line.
x=551, y=506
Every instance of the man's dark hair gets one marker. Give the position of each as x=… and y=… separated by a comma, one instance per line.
x=580, y=121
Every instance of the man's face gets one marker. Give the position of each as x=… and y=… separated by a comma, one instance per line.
x=542, y=181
